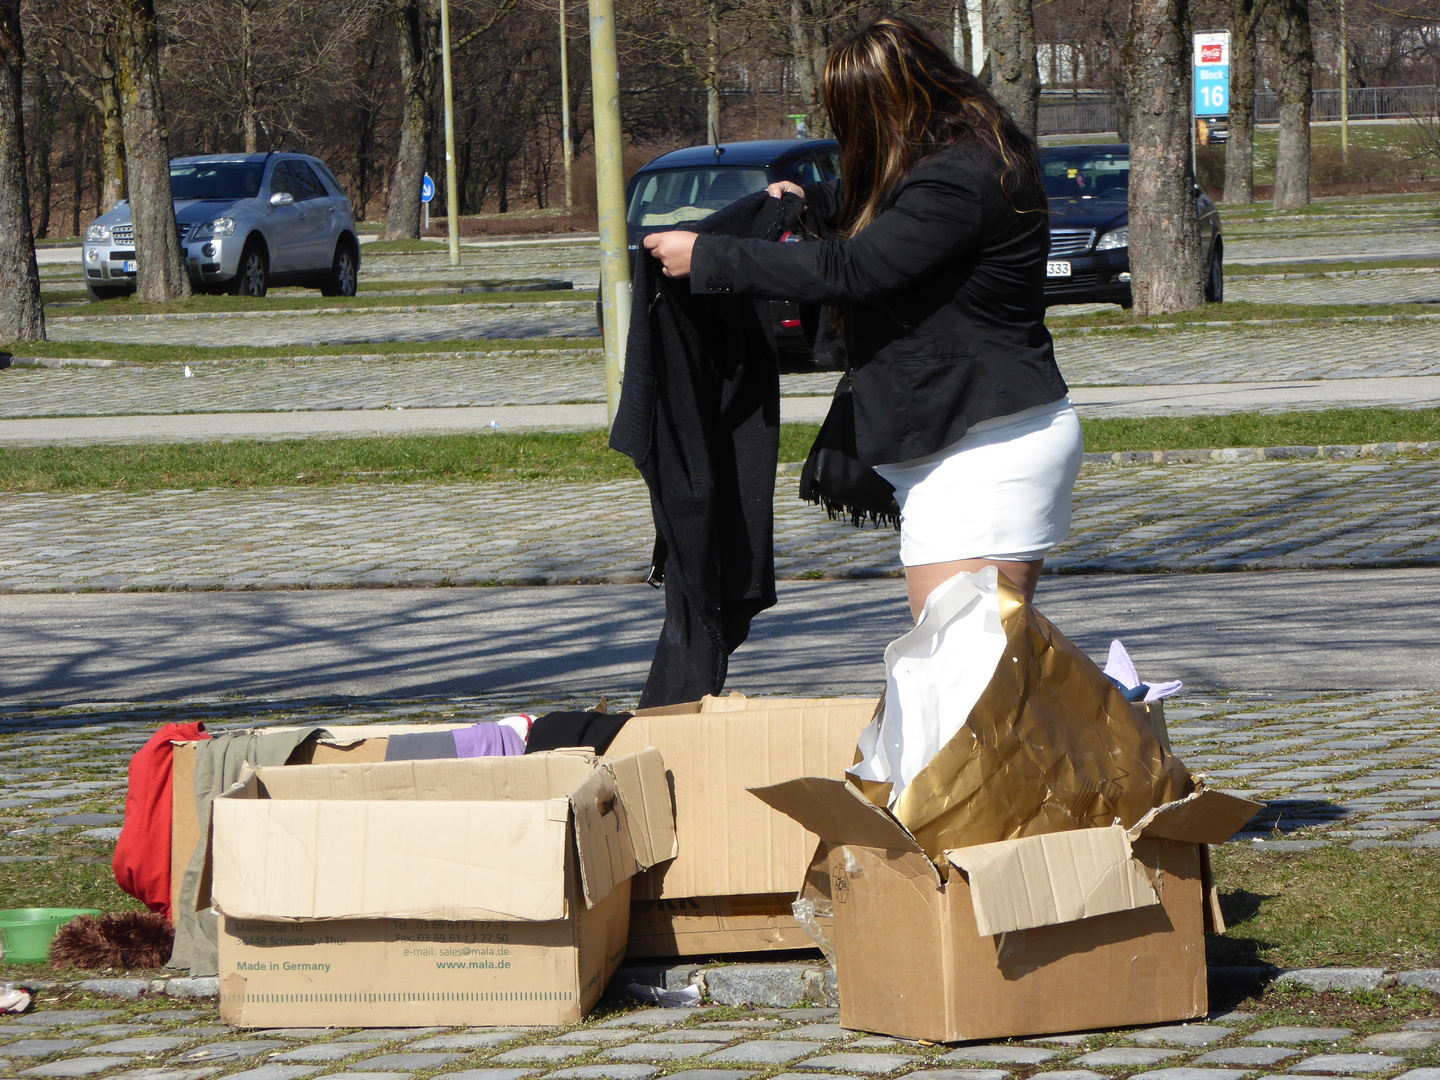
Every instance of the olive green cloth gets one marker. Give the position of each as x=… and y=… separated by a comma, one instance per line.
x=217, y=767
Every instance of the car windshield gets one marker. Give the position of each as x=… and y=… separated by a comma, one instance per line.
x=1087, y=175
x=215, y=179
x=677, y=195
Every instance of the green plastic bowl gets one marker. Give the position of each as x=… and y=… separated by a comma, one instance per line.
x=26, y=933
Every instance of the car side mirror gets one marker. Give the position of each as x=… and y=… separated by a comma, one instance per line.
x=281, y=198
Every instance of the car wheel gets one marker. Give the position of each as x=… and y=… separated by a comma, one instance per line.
x=342, y=280
x=250, y=279
x=97, y=293
x=1215, y=280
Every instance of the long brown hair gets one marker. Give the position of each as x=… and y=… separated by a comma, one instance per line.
x=894, y=97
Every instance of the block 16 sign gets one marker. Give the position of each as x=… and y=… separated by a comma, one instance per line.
x=1212, y=73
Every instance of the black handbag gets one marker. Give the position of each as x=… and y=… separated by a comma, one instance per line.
x=833, y=476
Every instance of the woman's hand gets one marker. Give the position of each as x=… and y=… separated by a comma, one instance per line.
x=673, y=250
x=782, y=187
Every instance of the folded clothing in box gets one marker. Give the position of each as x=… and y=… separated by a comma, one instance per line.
x=410, y=893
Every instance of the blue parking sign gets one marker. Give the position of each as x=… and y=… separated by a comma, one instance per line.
x=427, y=189
x=1212, y=73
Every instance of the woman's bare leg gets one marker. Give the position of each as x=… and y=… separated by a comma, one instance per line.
x=922, y=580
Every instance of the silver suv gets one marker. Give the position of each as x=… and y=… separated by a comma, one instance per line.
x=246, y=222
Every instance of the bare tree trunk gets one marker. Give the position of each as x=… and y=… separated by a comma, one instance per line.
x=44, y=131
x=111, y=158
x=1014, y=73
x=1296, y=61
x=162, y=274
x=1165, y=271
x=248, y=109
x=712, y=73
x=21, y=316
x=1240, y=143
x=77, y=166
x=418, y=22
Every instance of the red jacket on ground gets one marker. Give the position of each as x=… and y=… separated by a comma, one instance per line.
x=142, y=854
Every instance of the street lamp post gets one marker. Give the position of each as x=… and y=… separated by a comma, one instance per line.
x=566, y=149
x=1344, y=91
x=452, y=196
x=610, y=195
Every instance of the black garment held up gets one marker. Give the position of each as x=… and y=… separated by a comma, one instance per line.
x=700, y=416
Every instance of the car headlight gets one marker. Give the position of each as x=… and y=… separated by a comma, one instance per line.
x=219, y=227
x=99, y=234
x=1111, y=240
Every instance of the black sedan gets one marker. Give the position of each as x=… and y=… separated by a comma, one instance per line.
x=690, y=184
x=1089, y=191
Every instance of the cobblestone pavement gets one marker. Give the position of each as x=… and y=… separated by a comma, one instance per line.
x=1397, y=286
x=1354, y=769
x=1264, y=515
x=1162, y=357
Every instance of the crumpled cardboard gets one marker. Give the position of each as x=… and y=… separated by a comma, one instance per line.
x=1050, y=745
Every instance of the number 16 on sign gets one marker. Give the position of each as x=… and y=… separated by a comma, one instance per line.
x=1212, y=73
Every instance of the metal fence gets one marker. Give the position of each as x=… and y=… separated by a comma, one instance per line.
x=1366, y=103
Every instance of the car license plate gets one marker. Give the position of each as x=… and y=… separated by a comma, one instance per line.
x=128, y=266
x=1055, y=268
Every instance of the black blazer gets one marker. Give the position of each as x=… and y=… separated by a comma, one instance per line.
x=943, y=296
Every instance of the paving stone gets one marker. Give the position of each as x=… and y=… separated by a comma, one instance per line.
x=762, y=984
x=606, y=1072
x=1182, y=1035
x=1421, y=1025
x=880, y=1042
x=275, y=1072
x=369, y=1076
x=1125, y=1055
x=1337, y=978
x=768, y=1052
x=122, y=988
x=998, y=1074
x=811, y=1014
x=819, y=1032
x=121, y=1031
x=299, y=1033
x=710, y=1033
x=230, y=1051
x=1402, y=1040
x=609, y=1035
x=74, y=1067
x=41, y=1047
x=1346, y=1064
x=1253, y=1056
x=164, y=1073
x=193, y=988
x=408, y=1062
x=142, y=1044
x=1428, y=979
x=467, y=1040
x=1297, y=1035
x=174, y=1014
x=62, y=1017
x=654, y=1018
x=650, y=1051
x=1183, y=1072
x=1420, y=1074
x=389, y=1034
x=1008, y=1055
x=754, y=1023
x=1064, y=1074
x=711, y=1074
x=325, y=1052
x=540, y=1055
x=863, y=1064
x=488, y=1074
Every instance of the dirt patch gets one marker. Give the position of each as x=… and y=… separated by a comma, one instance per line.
x=1354, y=187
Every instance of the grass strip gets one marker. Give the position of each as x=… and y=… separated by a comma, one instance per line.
x=1237, y=314
x=309, y=301
x=129, y=353
x=1328, y=906
x=584, y=456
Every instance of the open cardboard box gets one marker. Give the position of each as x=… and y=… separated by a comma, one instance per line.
x=413, y=893
x=1067, y=931
x=732, y=885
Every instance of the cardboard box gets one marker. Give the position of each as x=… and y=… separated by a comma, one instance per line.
x=413, y=893
x=1067, y=931
x=740, y=862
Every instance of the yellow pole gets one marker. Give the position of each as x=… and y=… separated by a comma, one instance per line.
x=452, y=196
x=610, y=195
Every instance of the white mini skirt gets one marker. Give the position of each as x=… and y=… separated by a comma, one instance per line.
x=1001, y=493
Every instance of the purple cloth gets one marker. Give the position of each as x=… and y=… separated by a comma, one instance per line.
x=487, y=740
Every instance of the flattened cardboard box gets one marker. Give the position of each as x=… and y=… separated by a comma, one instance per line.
x=740, y=863
x=479, y=891
x=1070, y=931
